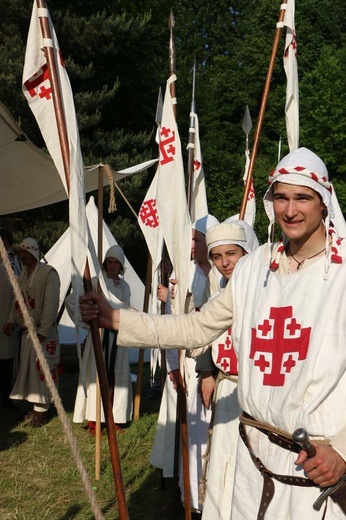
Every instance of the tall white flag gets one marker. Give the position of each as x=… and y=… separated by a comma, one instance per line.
x=149, y=222
x=199, y=204
x=38, y=91
x=171, y=202
x=291, y=69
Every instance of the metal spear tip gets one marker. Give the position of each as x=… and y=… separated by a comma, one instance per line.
x=300, y=435
x=171, y=21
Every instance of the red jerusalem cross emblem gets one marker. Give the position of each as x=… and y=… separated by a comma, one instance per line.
x=167, y=148
x=39, y=83
x=35, y=86
x=148, y=213
x=278, y=344
x=226, y=357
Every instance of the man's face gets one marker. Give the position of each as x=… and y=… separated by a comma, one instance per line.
x=26, y=258
x=199, y=249
x=113, y=266
x=298, y=211
x=225, y=258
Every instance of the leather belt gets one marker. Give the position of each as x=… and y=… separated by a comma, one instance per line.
x=268, y=476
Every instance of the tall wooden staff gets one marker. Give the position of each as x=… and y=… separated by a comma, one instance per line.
x=191, y=145
x=98, y=391
x=247, y=186
x=101, y=369
x=181, y=422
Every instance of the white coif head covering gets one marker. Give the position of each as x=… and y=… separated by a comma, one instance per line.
x=116, y=252
x=30, y=245
x=205, y=223
x=251, y=238
x=222, y=234
x=304, y=168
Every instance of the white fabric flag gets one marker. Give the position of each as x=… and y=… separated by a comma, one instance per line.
x=171, y=199
x=149, y=222
x=38, y=91
x=199, y=204
x=291, y=69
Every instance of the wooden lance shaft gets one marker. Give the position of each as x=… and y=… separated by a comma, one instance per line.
x=181, y=392
x=262, y=110
x=101, y=369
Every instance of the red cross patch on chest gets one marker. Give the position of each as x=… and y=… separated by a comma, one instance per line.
x=277, y=344
x=226, y=357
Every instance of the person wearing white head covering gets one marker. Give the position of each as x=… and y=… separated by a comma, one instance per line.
x=198, y=417
x=40, y=285
x=116, y=358
x=227, y=243
x=286, y=305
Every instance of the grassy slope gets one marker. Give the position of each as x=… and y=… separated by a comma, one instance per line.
x=39, y=480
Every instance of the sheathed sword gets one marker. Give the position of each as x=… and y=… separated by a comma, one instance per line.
x=300, y=436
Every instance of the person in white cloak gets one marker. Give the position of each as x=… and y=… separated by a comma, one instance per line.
x=227, y=243
x=116, y=358
x=40, y=285
x=8, y=343
x=287, y=309
x=198, y=417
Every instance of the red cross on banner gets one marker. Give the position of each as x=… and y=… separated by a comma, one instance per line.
x=148, y=213
x=277, y=344
x=167, y=145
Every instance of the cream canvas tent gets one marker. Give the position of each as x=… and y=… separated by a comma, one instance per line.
x=59, y=257
x=28, y=177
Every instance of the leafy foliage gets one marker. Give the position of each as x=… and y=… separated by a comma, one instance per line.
x=116, y=54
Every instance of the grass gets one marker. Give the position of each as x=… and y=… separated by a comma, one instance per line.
x=39, y=480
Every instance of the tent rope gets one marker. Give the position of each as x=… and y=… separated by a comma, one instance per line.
x=51, y=385
x=112, y=205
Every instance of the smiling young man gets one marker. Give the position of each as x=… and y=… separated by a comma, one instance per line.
x=287, y=309
x=298, y=211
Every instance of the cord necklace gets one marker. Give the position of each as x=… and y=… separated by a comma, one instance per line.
x=299, y=264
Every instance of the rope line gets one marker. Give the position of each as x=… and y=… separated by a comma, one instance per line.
x=29, y=323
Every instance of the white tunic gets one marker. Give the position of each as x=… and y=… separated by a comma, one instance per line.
x=289, y=331
x=41, y=291
x=198, y=418
x=224, y=439
x=122, y=405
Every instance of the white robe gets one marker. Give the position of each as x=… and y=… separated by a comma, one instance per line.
x=122, y=405
x=299, y=383
x=225, y=433
x=41, y=291
x=198, y=418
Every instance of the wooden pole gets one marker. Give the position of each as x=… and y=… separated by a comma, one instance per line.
x=262, y=109
x=139, y=382
x=100, y=258
x=101, y=369
x=191, y=145
x=181, y=392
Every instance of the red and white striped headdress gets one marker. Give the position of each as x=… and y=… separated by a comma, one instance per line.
x=304, y=168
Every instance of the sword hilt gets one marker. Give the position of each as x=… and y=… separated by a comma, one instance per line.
x=301, y=437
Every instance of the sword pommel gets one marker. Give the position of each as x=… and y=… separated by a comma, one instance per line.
x=300, y=436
